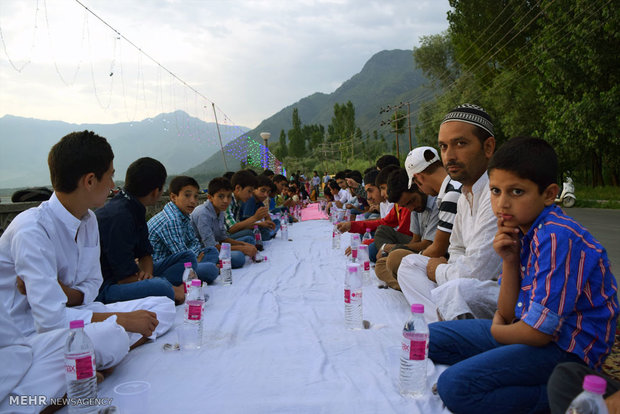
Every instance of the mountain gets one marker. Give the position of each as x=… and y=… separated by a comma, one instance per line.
x=176, y=139
x=388, y=78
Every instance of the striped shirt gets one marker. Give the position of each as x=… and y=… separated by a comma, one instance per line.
x=567, y=288
x=447, y=200
x=170, y=232
x=233, y=213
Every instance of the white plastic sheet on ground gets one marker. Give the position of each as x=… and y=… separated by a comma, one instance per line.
x=275, y=342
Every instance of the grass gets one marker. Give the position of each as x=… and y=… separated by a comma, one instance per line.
x=597, y=197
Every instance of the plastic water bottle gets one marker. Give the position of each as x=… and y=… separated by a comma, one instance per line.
x=225, y=264
x=284, y=228
x=335, y=237
x=367, y=235
x=364, y=261
x=188, y=275
x=590, y=401
x=194, y=307
x=80, y=369
x=353, y=297
x=258, y=238
x=355, y=244
x=414, y=353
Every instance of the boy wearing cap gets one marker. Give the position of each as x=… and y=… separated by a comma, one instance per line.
x=425, y=169
x=557, y=300
x=464, y=285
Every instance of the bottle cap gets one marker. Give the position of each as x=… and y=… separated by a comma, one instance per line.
x=76, y=324
x=225, y=246
x=595, y=384
x=353, y=267
x=256, y=226
x=363, y=247
x=187, y=264
x=367, y=229
x=196, y=282
x=417, y=308
x=355, y=236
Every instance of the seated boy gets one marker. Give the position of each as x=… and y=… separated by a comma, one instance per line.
x=424, y=220
x=557, y=300
x=244, y=183
x=49, y=258
x=171, y=232
x=268, y=228
x=125, y=238
x=208, y=222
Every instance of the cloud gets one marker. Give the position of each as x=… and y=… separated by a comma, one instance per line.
x=251, y=58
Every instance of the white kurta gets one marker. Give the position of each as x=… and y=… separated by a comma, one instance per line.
x=47, y=244
x=467, y=282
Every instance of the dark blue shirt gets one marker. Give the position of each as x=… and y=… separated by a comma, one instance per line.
x=124, y=237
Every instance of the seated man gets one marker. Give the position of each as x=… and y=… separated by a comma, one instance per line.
x=344, y=195
x=397, y=218
x=268, y=228
x=282, y=202
x=425, y=168
x=171, y=232
x=244, y=183
x=125, y=239
x=464, y=285
x=424, y=220
x=49, y=258
x=208, y=222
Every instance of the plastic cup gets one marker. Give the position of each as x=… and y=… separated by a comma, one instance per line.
x=132, y=397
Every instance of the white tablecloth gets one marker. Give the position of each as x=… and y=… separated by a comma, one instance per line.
x=275, y=342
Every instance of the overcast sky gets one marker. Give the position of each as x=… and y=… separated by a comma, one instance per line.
x=251, y=58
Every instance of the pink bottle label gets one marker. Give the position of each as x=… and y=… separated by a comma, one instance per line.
x=79, y=368
x=354, y=253
x=347, y=296
x=194, y=312
x=417, y=350
x=366, y=265
x=225, y=263
x=257, y=236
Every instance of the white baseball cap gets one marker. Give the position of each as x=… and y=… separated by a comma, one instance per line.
x=418, y=159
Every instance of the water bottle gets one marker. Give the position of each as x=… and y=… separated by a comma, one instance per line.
x=258, y=238
x=355, y=244
x=347, y=215
x=335, y=237
x=364, y=261
x=414, y=353
x=194, y=307
x=284, y=228
x=80, y=369
x=590, y=401
x=353, y=297
x=367, y=235
x=225, y=264
x=188, y=275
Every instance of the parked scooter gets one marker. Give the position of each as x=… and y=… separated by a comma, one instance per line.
x=567, y=198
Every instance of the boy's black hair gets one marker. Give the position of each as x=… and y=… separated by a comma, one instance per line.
x=273, y=189
x=75, y=155
x=371, y=177
x=398, y=183
x=228, y=175
x=263, y=181
x=340, y=175
x=327, y=192
x=279, y=177
x=369, y=169
x=385, y=160
x=531, y=158
x=251, y=171
x=333, y=185
x=219, y=184
x=268, y=173
x=355, y=175
x=181, y=181
x=144, y=175
x=243, y=178
x=384, y=174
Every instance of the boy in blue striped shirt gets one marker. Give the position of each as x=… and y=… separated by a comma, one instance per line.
x=557, y=300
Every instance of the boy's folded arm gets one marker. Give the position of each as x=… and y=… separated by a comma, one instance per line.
x=518, y=333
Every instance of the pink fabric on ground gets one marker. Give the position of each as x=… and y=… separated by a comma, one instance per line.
x=313, y=212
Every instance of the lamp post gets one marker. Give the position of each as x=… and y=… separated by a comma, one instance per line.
x=265, y=136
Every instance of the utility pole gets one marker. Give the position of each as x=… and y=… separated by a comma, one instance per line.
x=219, y=135
x=409, y=125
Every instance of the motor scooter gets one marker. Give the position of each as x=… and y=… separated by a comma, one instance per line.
x=567, y=198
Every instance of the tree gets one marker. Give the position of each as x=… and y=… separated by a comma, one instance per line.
x=297, y=145
x=342, y=127
x=282, y=148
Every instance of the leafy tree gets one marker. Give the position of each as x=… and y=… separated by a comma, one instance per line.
x=282, y=151
x=297, y=145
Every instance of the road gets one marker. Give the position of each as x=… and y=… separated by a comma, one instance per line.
x=604, y=225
